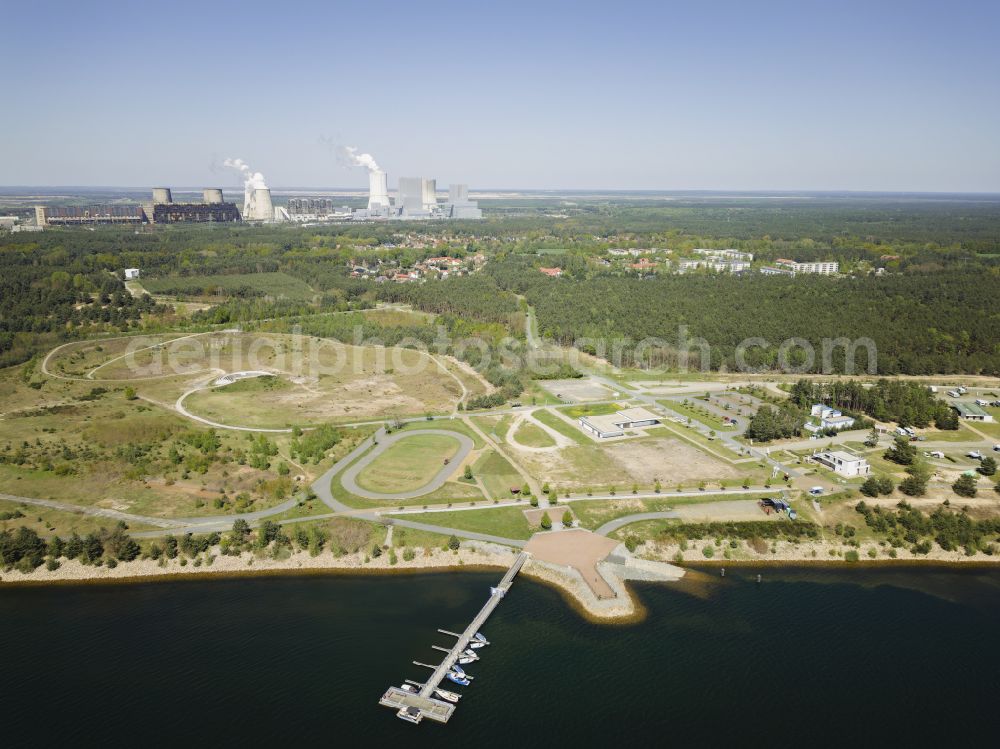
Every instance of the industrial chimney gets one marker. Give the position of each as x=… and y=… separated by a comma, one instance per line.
x=162, y=195
x=212, y=195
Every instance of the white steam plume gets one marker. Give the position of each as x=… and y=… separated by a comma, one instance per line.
x=251, y=180
x=361, y=159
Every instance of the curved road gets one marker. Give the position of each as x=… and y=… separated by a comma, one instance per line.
x=613, y=525
x=349, y=479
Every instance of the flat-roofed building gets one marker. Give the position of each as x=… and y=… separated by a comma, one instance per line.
x=972, y=412
x=843, y=463
x=614, y=425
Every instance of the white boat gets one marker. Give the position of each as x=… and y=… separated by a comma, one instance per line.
x=409, y=688
x=460, y=671
x=410, y=714
x=479, y=638
x=444, y=694
x=471, y=654
x=466, y=660
x=477, y=645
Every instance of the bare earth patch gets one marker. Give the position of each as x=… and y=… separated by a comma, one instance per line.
x=575, y=548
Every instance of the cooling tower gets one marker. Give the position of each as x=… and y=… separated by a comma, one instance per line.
x=378, y=190
x=212, y=195
x=428, y=193
x=162, y=195
x=258, y=205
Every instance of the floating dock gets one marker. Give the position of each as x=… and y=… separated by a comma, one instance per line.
x=415, y=706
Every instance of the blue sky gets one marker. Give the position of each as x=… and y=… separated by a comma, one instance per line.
x=627, y=95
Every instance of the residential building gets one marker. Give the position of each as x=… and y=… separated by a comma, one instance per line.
x=131, y=274
x=827, y=418
x=551, y=272
x=825, y=268
x=843, y=463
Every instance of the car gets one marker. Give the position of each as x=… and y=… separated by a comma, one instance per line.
x=974, y=454
x=816, y=491
x=996, y=448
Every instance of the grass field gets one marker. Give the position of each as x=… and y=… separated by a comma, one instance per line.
x=707, y=418
x=506, y=522
x=594, y=513
x=551, y=420
x=531, y=435
x=592, y=409
x=408, y=464
x=497, y=475
x=325, y=382
x=278, y=285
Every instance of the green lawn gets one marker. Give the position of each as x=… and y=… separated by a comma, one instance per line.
x=408, y=464
x=497, y=474
x=531, y=435
x=452, y=425
x=708, y=419
x=591, y=409
x=506, y=522
x=595, y=513
x=551, y=420
x=962, y=434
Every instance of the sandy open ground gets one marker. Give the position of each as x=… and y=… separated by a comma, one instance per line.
x=575, y=548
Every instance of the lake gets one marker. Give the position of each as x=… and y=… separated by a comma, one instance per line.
x=808, y=657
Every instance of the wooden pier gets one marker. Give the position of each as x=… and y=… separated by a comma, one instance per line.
x=414, y=706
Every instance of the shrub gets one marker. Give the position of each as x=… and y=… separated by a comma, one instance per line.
x=851, y=556
x=965, y=486
x=708, y=550
x=545, y=522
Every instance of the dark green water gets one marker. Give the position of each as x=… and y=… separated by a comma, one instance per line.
x=808, y=658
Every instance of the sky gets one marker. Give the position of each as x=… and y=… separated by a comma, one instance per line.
x=804, y=95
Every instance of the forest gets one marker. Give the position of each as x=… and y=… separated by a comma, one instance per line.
x=945, y=322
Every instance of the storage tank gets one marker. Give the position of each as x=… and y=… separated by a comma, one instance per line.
x=162, y=195
x=212, y=195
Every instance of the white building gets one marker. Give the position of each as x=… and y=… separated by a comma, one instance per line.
x=843, y=463
x=730, y=254
x=827, y=418
x=131, y=274
x=614, y=425
x=827, y=268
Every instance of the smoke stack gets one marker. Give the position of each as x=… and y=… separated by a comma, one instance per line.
x=378, y=190
x=162, y=195
x=212, y=195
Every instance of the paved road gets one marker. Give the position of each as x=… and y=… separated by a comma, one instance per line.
x=614, y=525
x=349, y=479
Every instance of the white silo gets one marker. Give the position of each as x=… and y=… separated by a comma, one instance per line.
x=162, y=195
x=212, y=195
x=378, y=190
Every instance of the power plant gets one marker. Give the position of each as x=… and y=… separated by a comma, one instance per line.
x=161, y=210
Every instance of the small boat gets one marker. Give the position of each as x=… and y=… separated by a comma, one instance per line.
x=479, y=638
x=452, y=676
x=410, y=714
x=471, y=654
x=477, y=645
x=409, y=688
x=466, y=660
x=444, y=694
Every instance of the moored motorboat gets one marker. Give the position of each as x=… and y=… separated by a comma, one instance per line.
x=478, y=637
x=457, y=679
x=471, y=654
x=444, y=694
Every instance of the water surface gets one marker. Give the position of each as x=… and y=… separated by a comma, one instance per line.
x=807, y=658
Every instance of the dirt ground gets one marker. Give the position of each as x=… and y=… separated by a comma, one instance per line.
x=737, y=510
x=575, y=548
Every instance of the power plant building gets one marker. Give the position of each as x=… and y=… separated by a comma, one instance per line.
x=213, y=209
x=89, y=215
